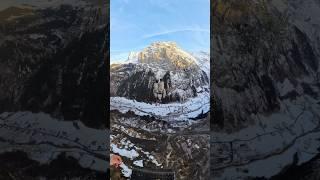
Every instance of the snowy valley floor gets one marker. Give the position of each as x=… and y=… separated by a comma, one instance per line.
x=179, y=113
x=156, y=150
x=152, y=138
x=276, y=141
x=44, y=138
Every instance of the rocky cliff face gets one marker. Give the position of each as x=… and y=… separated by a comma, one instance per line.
x=52, y=60
x=261, y=57
x=167, y=53
x=163, y=73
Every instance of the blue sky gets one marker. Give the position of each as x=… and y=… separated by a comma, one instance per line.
x=137, y=23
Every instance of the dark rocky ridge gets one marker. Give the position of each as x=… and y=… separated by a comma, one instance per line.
x=255, y=49
x=54, y=61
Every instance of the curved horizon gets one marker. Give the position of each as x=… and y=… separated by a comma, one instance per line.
x=122, y=56
x=136, y=24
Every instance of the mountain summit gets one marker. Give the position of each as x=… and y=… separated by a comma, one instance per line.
x=168, y=53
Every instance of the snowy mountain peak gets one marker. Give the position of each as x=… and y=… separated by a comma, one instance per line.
x=168, y=53
x=133, y=57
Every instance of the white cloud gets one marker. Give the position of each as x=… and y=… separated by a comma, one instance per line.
x=175, y=31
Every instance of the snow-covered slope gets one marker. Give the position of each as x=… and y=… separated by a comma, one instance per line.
x=203, y=61
x=43, y=138
x=185, y=111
